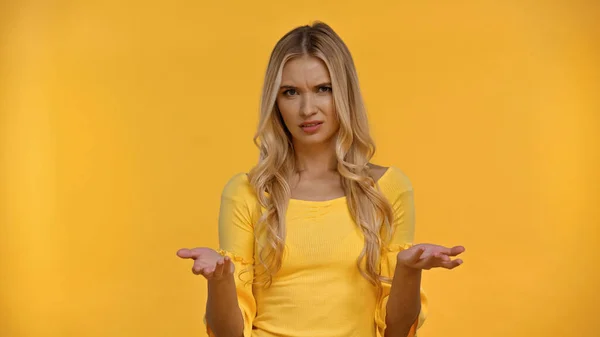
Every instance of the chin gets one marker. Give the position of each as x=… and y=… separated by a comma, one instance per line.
x=316, y=139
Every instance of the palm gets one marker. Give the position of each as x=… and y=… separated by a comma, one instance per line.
x=208, y=262
x=427, y=256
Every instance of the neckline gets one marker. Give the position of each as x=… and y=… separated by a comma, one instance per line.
x=334, y=200
x=318, y=202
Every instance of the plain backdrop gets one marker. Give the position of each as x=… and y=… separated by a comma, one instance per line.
x=121, y=121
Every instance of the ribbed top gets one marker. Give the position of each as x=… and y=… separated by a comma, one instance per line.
x=319, y=291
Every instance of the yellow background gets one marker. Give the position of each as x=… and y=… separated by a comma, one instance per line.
x=120, y=122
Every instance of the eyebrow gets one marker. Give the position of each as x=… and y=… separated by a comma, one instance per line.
x=287, y=86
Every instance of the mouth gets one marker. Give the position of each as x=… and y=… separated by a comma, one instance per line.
x=311, y=126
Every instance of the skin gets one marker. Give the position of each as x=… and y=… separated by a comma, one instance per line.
x=404, y=303
x=223, y=313
x=305, y=95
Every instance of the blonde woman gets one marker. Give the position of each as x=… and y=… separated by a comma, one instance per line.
x=315, y=240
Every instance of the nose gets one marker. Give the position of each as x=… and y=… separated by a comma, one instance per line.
x=308, y=106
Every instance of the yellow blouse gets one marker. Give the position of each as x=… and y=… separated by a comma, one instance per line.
x=319, y=290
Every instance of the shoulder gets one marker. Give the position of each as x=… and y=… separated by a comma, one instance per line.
x=391, y=180
x=238, y=187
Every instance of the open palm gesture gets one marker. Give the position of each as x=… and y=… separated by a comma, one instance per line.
x=427, y=256
x=208, y=263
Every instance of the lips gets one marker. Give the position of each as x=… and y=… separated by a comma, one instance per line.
x=310, y=124
x=311, y=127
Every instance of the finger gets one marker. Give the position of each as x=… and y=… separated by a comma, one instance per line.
x=416, y=256
x=198, y=266
x=227, y=265
x=208, y=272
x=188, y=253
x=455, y=263
x=219, y=268
x=442, y=256
x=196, y=270
x=456, y=250
x=184, y=253
x=428, y=262
x=452, y=264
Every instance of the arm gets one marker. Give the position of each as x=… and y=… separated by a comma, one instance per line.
x=402, y=306
x=405, y=298
x=223, y=313
x=222, y=308
x=404, y=303
x=231, y=306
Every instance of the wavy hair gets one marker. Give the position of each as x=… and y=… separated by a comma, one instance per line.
x=353, y=145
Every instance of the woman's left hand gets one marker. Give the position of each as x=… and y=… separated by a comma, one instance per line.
x=427, y=256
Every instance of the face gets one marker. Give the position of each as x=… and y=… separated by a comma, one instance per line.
x=305, y=101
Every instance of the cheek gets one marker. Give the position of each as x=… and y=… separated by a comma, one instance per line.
x=326, y=105
x=335, y=125
x=286, y=108
x=335, y=121
x=328, y=108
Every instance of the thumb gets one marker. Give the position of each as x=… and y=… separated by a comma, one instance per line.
x=416, y=256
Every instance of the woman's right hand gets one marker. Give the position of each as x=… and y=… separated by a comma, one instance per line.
x=208, y=263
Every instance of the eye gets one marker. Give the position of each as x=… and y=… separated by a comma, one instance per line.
x=290, y=92
x=325, y=89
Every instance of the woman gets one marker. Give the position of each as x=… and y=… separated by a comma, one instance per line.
x=315, y=240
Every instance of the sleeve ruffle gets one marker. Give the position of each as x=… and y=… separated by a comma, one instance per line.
x=388, y=267
x=234, y=257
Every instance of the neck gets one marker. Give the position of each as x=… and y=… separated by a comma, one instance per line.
x=316, y=158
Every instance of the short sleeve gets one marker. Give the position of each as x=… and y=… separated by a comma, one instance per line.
x=236, y=240
x=398, y=189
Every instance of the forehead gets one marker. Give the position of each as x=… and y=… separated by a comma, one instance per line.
x=305, y=70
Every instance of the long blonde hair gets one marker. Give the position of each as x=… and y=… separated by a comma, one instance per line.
x=354, y=148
